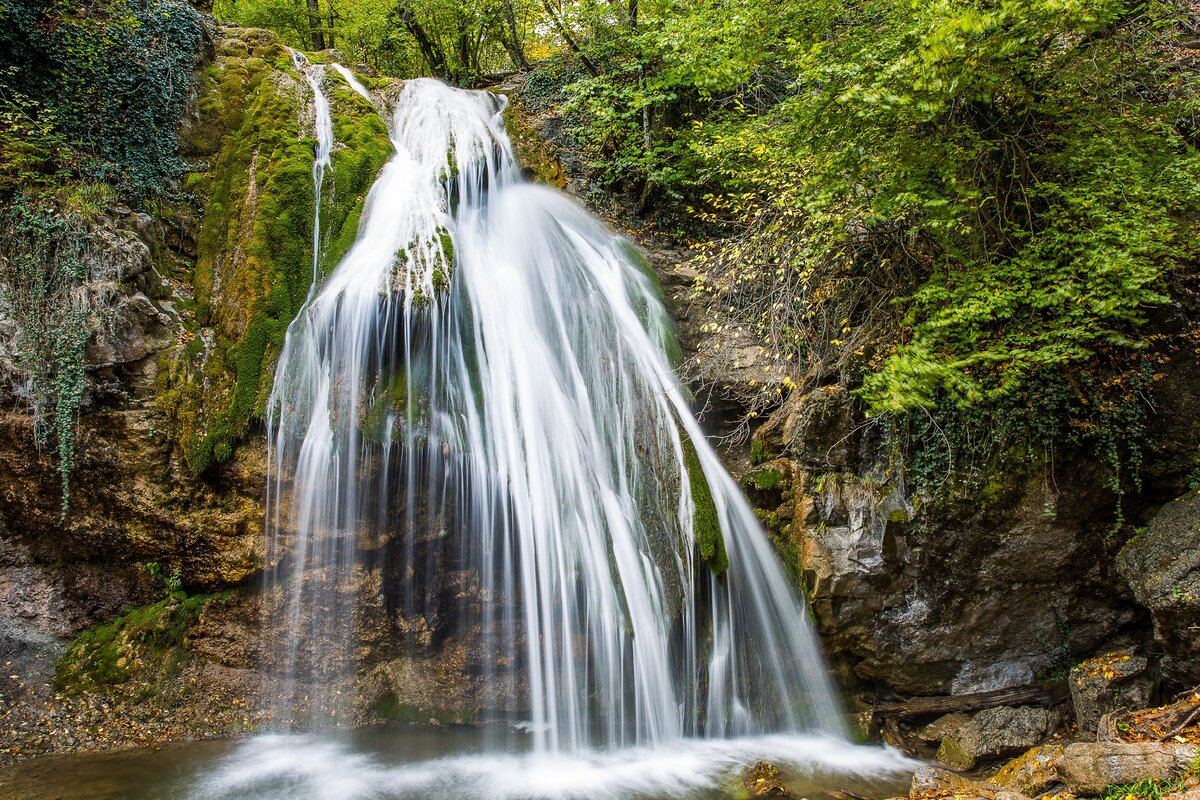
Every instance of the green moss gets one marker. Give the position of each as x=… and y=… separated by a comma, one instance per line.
x=758, y=453
x=706, y=522
x=353, y=170
x=767, y=479
x=254, y=261
x=146, y=638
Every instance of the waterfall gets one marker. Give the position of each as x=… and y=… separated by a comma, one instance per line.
x=354, y=82
x=482, y=388
x=315, y=75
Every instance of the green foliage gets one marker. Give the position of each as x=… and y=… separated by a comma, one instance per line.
x=51, y=281
x=94, y=90
x=172, y=582
x=458, y=40
x=965, y=204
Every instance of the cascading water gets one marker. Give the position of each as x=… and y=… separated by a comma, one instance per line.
x=315, y=75
x=354, y=82
x=490, y=364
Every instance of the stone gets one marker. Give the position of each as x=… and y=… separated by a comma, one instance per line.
x=1031, y=773
x=928, y=778
x=1187, y=794
x=942, y=727
x=1162, y=567
x=1113, y=682
x=990, y=676
x=762, y=780
x=1086, y=768
x=994, y=732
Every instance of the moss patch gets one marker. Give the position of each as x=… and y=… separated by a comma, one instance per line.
x=530, y=149
x=147, y=638
x=706, y=522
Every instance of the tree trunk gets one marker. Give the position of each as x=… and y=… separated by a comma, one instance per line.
x=512, y=42
x=332, y=15
x=314, y=25
x=433, y=55
x=570, y=40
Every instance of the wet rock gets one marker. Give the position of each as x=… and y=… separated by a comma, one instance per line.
x=1112, y=682
x=1162, y=566
x=994, y=732
x=1087, y=768
x=1031, y=773
x=762, y=780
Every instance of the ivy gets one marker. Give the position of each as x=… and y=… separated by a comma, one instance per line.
x=95, y=90
x=52, y=282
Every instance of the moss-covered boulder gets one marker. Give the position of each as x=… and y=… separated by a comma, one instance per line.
x=144, y=642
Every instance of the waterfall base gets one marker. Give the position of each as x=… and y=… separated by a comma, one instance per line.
x=450, y=763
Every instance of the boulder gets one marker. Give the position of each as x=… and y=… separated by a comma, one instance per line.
x=1112, y=682
x=1187, y=794
x=1162, y=567
x=928, y=778
x=1031, y=773
x=1087, y=768
x=943, y=726
x=994, y=732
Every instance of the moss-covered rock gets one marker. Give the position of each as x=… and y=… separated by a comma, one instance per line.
x=253, y=156
x=706, y=522
x=142, y=640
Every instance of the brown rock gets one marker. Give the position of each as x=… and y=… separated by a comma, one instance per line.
x=762, y=780
x=932, y=778
x=1031, y=773
x=1111, y=682
x=1089, y=767
x=942, y=727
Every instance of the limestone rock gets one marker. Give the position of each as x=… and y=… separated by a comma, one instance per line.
x=1087, y=768
x=1187, y=794
x=928, y=778
x=994, y=732
x=1031, y=773
x=1111, y=682
x=1162, y=566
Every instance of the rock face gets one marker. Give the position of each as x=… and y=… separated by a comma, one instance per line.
x=1162, y=566
x=169, y=478
x=1112, y=682
x=1086, y=769
x=956, y=583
